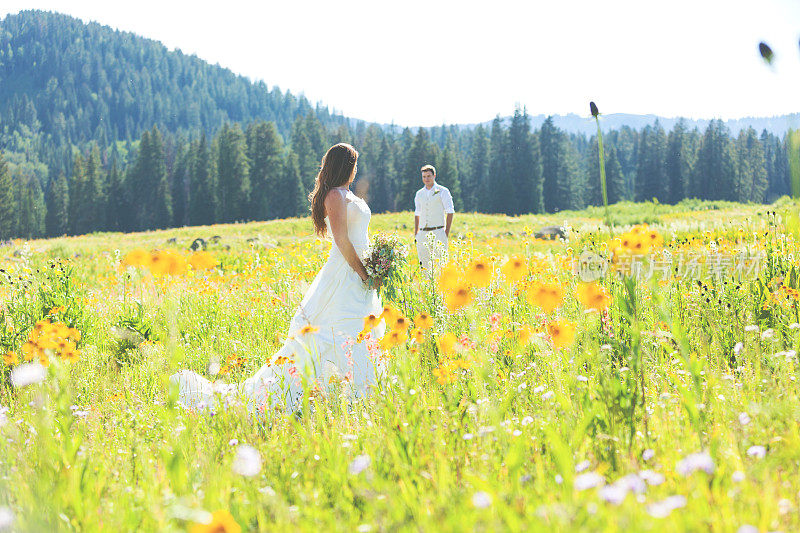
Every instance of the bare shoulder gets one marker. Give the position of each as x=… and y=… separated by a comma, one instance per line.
x=334, y=201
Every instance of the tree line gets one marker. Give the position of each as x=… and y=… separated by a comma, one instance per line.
x=250, y=172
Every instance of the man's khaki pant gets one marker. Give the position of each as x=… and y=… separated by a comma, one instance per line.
x=431, y=247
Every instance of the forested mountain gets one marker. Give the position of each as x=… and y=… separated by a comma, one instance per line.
x=105, y=130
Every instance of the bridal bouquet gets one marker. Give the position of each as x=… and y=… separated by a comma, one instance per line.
x=385, y=263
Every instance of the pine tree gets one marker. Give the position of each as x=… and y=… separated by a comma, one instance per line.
x=233, y=174
x=651, y=178
x=91, y=199
x=422, y=152
x=571, y=176
x=382, y=191
x=179, y=186
x=294, y=202
x=148, y=186
x=118, y=205
x=57, y=220
x=498, y=170
x=524, y=193
x=202, y=185
x=77, y=194
x=678, y=162
x=31, y=207
x=8, y=203
x=264, y=151
x=308, y=162
x=447, y=172
x=478, y=174
x=715, y=175
x=752, y=182
x=615, y=180
x=550, y=144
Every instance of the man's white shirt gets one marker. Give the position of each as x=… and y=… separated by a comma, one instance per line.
x=433, y=215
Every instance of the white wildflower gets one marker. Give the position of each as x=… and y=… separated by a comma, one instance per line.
x=663, y=508
x=652, y=478
x=247, y=461
x=27, y=374
x=481, y=500
x=6, y=518
x=757, y=451
x=588, y=480
x=648, y=454
x=359, y=464
x=696, y=461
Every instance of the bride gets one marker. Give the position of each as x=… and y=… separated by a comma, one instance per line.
x=319, y=350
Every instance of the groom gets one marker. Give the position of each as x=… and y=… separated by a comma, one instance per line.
x=433, y=216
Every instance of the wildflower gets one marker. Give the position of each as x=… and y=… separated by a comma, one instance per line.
x=400, y=323
x=588, y=481
x=11, y=358
x=515, y=269
x=548, y=296
x=370, y=322
x=648, y=454
x=359, y=464
x=305, y=330
x=652, y=478
x=247, y=461
x=524, y=334
x=389, y=313
x=561, y=332
x=423, y=321
x=202, y=260
x=696, y=461
x=444, y=374
x=27, y=374
x=458, y=297
x=449, y=278
x=744, y=419
x=593, y=296
x=481, y=500
x=757, y=451
x=137, y=257
x=479, y=273
x=221, y=522
x=663, y=508
x=418, y=335
x=6, y=518
x=447, y=343
x=392, y=339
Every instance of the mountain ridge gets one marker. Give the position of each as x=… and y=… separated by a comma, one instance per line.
x=267, y=101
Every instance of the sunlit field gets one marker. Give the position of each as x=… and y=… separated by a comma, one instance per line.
x=519, y=395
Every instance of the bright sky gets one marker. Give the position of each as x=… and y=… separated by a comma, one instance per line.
x=428, y=62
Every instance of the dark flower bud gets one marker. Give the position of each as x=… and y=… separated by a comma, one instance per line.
x=765, y=51
x=593, y=109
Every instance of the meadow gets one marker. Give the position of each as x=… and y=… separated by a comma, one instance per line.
x=518, y=395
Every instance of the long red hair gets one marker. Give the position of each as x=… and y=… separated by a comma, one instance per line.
x=336, y=170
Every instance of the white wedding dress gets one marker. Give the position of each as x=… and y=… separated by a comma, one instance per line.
x=334, y=307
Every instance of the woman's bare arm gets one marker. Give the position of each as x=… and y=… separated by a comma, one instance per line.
x=336, y=208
